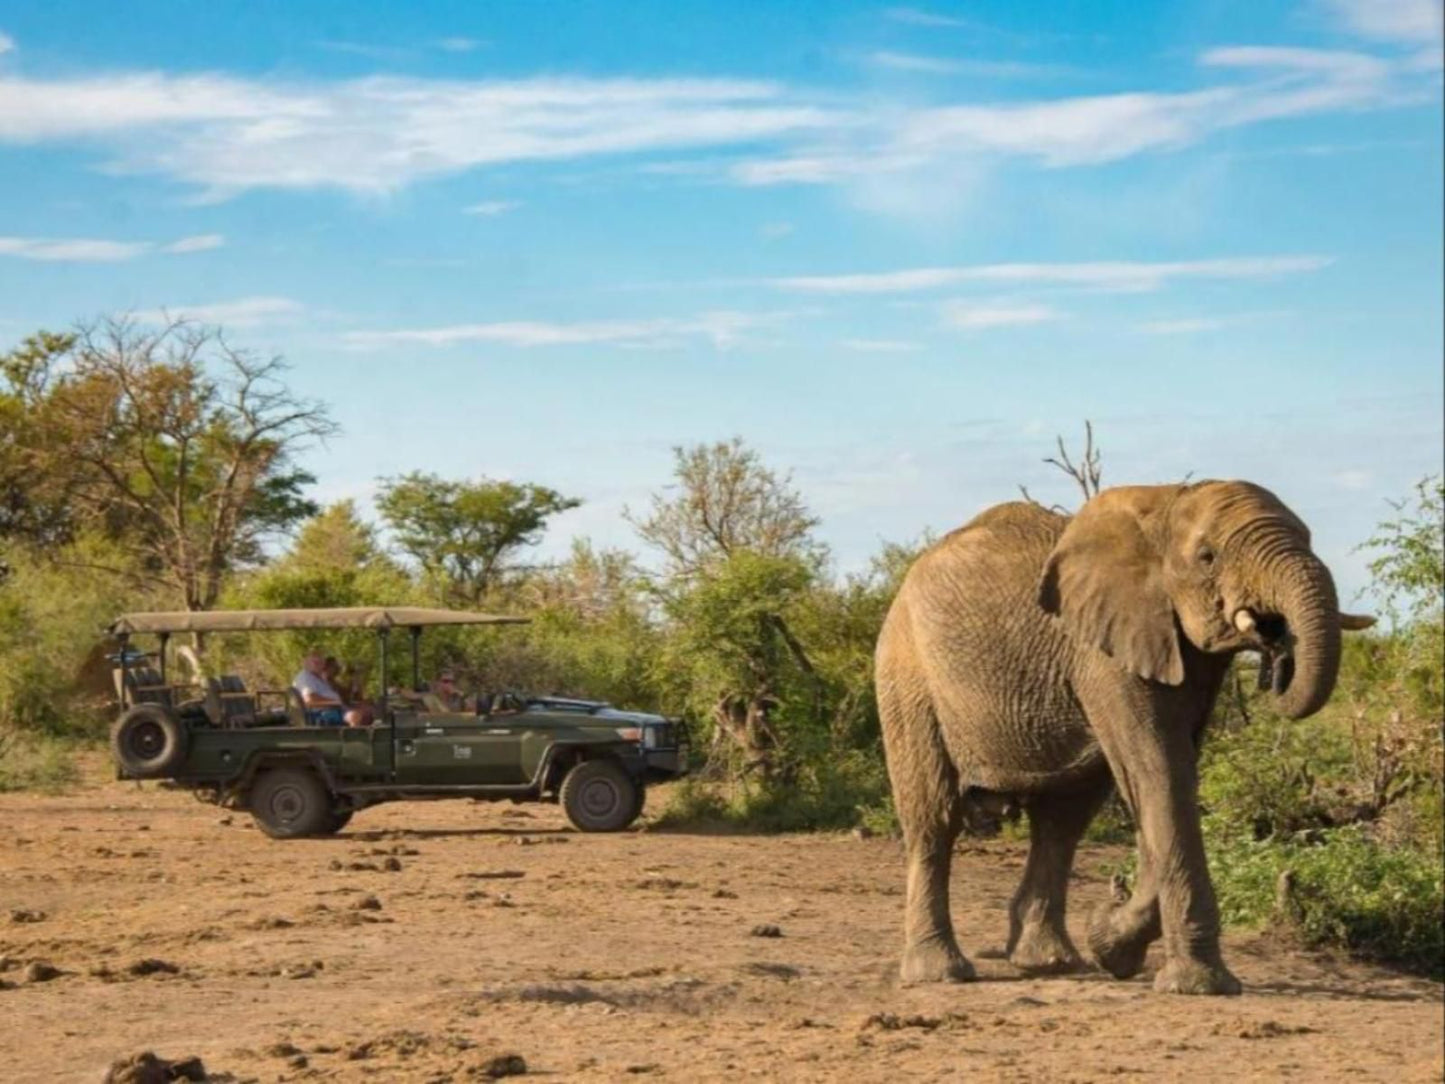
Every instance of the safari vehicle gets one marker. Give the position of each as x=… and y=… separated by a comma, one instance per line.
x=255, y=750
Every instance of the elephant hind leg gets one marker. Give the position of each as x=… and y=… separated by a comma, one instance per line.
x=1038, y=939
x=930, y=813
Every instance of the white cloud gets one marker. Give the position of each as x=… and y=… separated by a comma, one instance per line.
x=228, y=133
x=1353, y=479
x=78, y=250
x=459, y=45
x=1193, y=325
x=774, y=230
x=91, y=250
x=911, y=62
x=1416, y=22
x=380, y=133
x=1119, y=275
x=1185, y=326
x=201, y=242
x=932, y=65
x=980, y=316
x=244, y=312
x=7, y=43
x=918, y=17
x=723, y=329
x=489, y=208
x=880, y=346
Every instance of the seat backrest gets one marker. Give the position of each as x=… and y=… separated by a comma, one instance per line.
x=142, y=685
x=229, y=703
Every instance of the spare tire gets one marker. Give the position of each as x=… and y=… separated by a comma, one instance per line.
x=148, y=742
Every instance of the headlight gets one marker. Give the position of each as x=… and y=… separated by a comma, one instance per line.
x=629, y=733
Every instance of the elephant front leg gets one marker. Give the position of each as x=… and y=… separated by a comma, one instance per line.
x=930, y=951
x=1154, y=766
x=1121, y=931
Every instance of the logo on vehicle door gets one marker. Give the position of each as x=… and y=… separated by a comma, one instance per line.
x=461, y=752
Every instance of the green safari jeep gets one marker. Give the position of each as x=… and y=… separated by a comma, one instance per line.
x=258, y=750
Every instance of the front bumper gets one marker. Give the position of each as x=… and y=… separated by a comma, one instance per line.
x=667, y=749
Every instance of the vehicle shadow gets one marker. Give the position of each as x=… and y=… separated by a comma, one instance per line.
x=376, y=835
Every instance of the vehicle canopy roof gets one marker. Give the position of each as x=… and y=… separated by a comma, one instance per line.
x=352, y=617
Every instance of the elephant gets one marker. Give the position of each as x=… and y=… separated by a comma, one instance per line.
x=1039, y=660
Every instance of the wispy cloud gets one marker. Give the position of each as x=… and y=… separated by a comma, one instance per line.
x=1412, y=22
x=490, y=208
x=371, y=52
x=1118, y=275
x=7, y=43
x=1185, y=326
x=919, y=17
x=981, y=316
x=201, y=242
x=772, y=231
x=91, y=250
x=722, y=329
x=228, y=134
x=933, y=65
x=242, y=313
x=1194, y=325
x=459, y=45
x=880, y=346
x=380, y=133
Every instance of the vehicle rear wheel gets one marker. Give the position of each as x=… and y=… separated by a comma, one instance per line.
x=598, y=796
x=289, y=803
x=148, y=742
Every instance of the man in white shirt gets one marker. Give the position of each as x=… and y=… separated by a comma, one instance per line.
x=324, y=706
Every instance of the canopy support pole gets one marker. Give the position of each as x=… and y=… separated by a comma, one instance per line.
x=416, y=658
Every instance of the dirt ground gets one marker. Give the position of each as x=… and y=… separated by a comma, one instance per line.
x=430, y=941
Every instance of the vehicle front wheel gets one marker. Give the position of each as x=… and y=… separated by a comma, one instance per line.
x=289, y=803
x=598, y=796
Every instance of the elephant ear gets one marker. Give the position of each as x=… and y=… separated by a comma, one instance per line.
x=1105, y=580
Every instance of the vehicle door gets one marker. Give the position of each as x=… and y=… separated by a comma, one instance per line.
x=442, y=748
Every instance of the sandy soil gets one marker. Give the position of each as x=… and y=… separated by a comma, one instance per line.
x=429, y=940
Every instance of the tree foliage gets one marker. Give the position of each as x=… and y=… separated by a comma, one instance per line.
x=723, y=500
x=465, y=533
x=168, y=440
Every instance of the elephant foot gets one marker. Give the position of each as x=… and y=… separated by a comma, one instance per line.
x=1044, y=951
x=1121, y=954
x=935, y=961
x=1186, y=976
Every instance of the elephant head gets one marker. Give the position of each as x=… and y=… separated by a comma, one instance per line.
x=1224, y=564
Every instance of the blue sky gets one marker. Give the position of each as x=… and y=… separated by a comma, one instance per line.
x=895, y=248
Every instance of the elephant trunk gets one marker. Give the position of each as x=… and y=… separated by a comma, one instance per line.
x=1303, y=593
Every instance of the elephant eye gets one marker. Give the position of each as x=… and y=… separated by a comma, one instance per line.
x=1206, y=555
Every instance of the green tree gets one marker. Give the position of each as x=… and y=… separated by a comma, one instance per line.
x=739, y=556
x=724, y=500
x=169, y=441
x=466, y=533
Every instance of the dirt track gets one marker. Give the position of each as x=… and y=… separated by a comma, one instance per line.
x=594, y=958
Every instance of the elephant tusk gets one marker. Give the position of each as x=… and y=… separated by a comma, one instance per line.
x=1356, y=622
x=1244, y=621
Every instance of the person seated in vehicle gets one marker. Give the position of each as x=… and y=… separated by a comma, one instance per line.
x=348, y=688
x=323, y=704
x=448, y=695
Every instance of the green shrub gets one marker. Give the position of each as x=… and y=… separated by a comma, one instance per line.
x=846, y=792
x=36, y=762
x=1347, y=891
